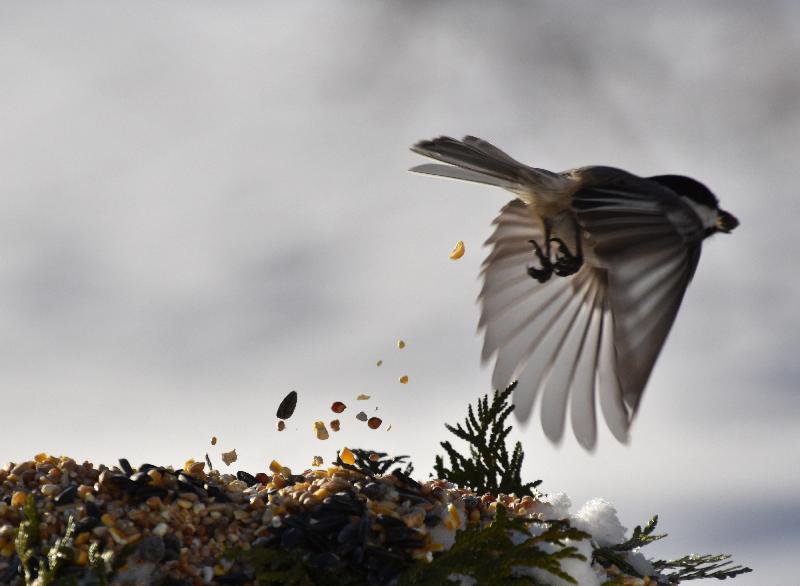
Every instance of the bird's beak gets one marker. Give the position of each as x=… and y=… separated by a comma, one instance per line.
x=726, y=222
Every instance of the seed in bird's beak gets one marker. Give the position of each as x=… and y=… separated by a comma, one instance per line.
x=726, y=222
x=458, y=250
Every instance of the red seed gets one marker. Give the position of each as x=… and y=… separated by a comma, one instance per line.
x=374, y=422
x=338, y=407
x=335, y=424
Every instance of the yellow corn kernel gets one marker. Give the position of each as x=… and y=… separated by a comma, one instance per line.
x=155, y=476
x=322, y=493
x=40, y=457
x=347, y=457
x=83, y=557
x=18, y=499
x=82, y=538
x=453, y=520
x=107, y=520
x=458, y=250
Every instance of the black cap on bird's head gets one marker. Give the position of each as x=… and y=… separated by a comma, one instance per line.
x=702, y=195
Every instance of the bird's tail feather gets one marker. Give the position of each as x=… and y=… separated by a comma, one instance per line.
x=476, y=160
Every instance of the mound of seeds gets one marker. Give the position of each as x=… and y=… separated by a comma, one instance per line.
x=155, y=523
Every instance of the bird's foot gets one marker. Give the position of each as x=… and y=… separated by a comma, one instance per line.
x=566, y=263
x=543, y=274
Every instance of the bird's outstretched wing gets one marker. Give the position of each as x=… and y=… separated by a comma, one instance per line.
x=552, y=337
x=650, y=240
x=598, y=332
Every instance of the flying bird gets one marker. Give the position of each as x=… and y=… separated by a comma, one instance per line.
x=586, y=273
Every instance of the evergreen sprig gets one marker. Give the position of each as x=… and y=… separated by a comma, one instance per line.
x=617, y=554
x=690, y=567
x=27, y=545
x=695, y=567
x=382, y=464
x=489, y=468
x=490, y=556
x=274, y=566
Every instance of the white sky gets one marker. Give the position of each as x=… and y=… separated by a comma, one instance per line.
x=205, y=206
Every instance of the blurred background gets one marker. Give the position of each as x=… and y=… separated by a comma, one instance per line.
x=204, y=206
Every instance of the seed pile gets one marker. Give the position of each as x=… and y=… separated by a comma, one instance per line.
x=159, y=523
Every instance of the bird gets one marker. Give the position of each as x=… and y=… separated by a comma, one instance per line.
x=586, y=272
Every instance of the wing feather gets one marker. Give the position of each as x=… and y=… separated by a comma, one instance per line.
x=651, y=257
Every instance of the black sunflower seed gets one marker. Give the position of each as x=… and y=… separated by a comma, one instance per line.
x=246, y=477
x=286, y=408
x=67, y=495
x=125, y=466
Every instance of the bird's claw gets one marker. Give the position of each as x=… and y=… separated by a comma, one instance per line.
x=543, y=274
x=566, y=263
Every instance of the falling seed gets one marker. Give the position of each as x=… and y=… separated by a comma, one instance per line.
x=347, y=457
x=208, y=461
x=361, y=416
x=335, y=424
x=320, y=430
x=373, y=457
x=379, y=363
x=401, y=344
x=213, y=440
x=374, y=422
x=362, y=397
x=338, y=407
x=404, y=379
x=281, y=425
x=458, y=250
x=317, y=461
x=286, y=408
x=229, y=457
x=389, y=428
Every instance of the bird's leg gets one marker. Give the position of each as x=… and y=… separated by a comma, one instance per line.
x=567, y=263
x=543, y=274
